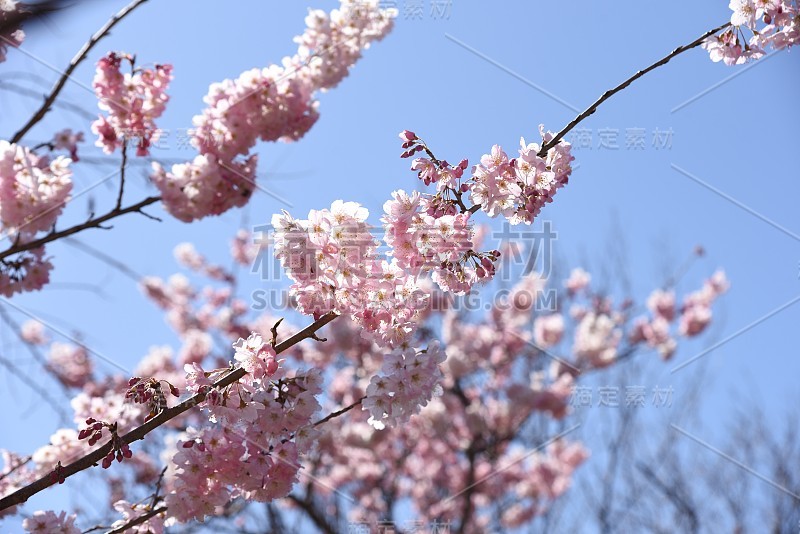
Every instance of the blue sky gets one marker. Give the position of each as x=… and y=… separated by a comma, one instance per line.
x=464, y=81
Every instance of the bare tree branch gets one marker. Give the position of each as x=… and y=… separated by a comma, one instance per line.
x=611, y=92
x=93, y=222
x=73, y=64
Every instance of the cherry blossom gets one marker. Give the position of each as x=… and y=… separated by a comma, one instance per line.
x=70, y=363
x=133, y=101
x=68, y=140
x=33, y=190
x=548, y=329
x=47, y=522
x=781, y=29
x=28, y=271
x=696, y=309
x=519, y=188
x=408, y=381
x=270, y=104
x=32, y=331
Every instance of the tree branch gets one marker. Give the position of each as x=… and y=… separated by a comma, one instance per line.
x=608, y=94
x=73, y=64
x=339, y=412
x=316, y=517
x=94, y=222
x=122, y=172
x=91, y=459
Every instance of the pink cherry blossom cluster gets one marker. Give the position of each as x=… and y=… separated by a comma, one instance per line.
x=439, y=243
x=427, y=452
x=693, y=317
x=70, y=364
x=133, y=100
x=271, y=104
x=33, y=190
x=781, y=29
x=187, y=255
x=430, y=170
x=192, y=312
x=13, y=475
x=68, y=140
x=519, y=188
x=205, y=186
x=333, y=42
x=32, y=331
x=131, y=512
x=262, y=426
x=332, y=259
x=696, y=309
x=28, y=271
x=10, y=36
x=597, y=335
x=256, y=357
x=408, y=380
x=439, y=240
x=48, y=522
x=655, y=331
x=541, y=477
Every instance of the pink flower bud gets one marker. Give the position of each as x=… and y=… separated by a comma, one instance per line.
x=408, y=135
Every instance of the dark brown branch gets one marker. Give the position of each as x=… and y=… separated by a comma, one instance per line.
x=30, y=93
x=94, y=222
x=316, y=517
x=339, y=412
x=608, y=94
x=73, y=64
x=160, y=480
x=91, y=459
x=122, y=172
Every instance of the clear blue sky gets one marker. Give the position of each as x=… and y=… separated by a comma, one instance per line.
x=739, y=138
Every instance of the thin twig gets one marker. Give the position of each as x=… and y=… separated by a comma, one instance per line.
x=274, y=331
x=608, y=94
x=339, y=412
x=30, y=93
x=94, y=222
x=73, y=64
x=22, y=462
x=39, y=357
x=105, y=258
x=160, y=480
x=43, y=394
